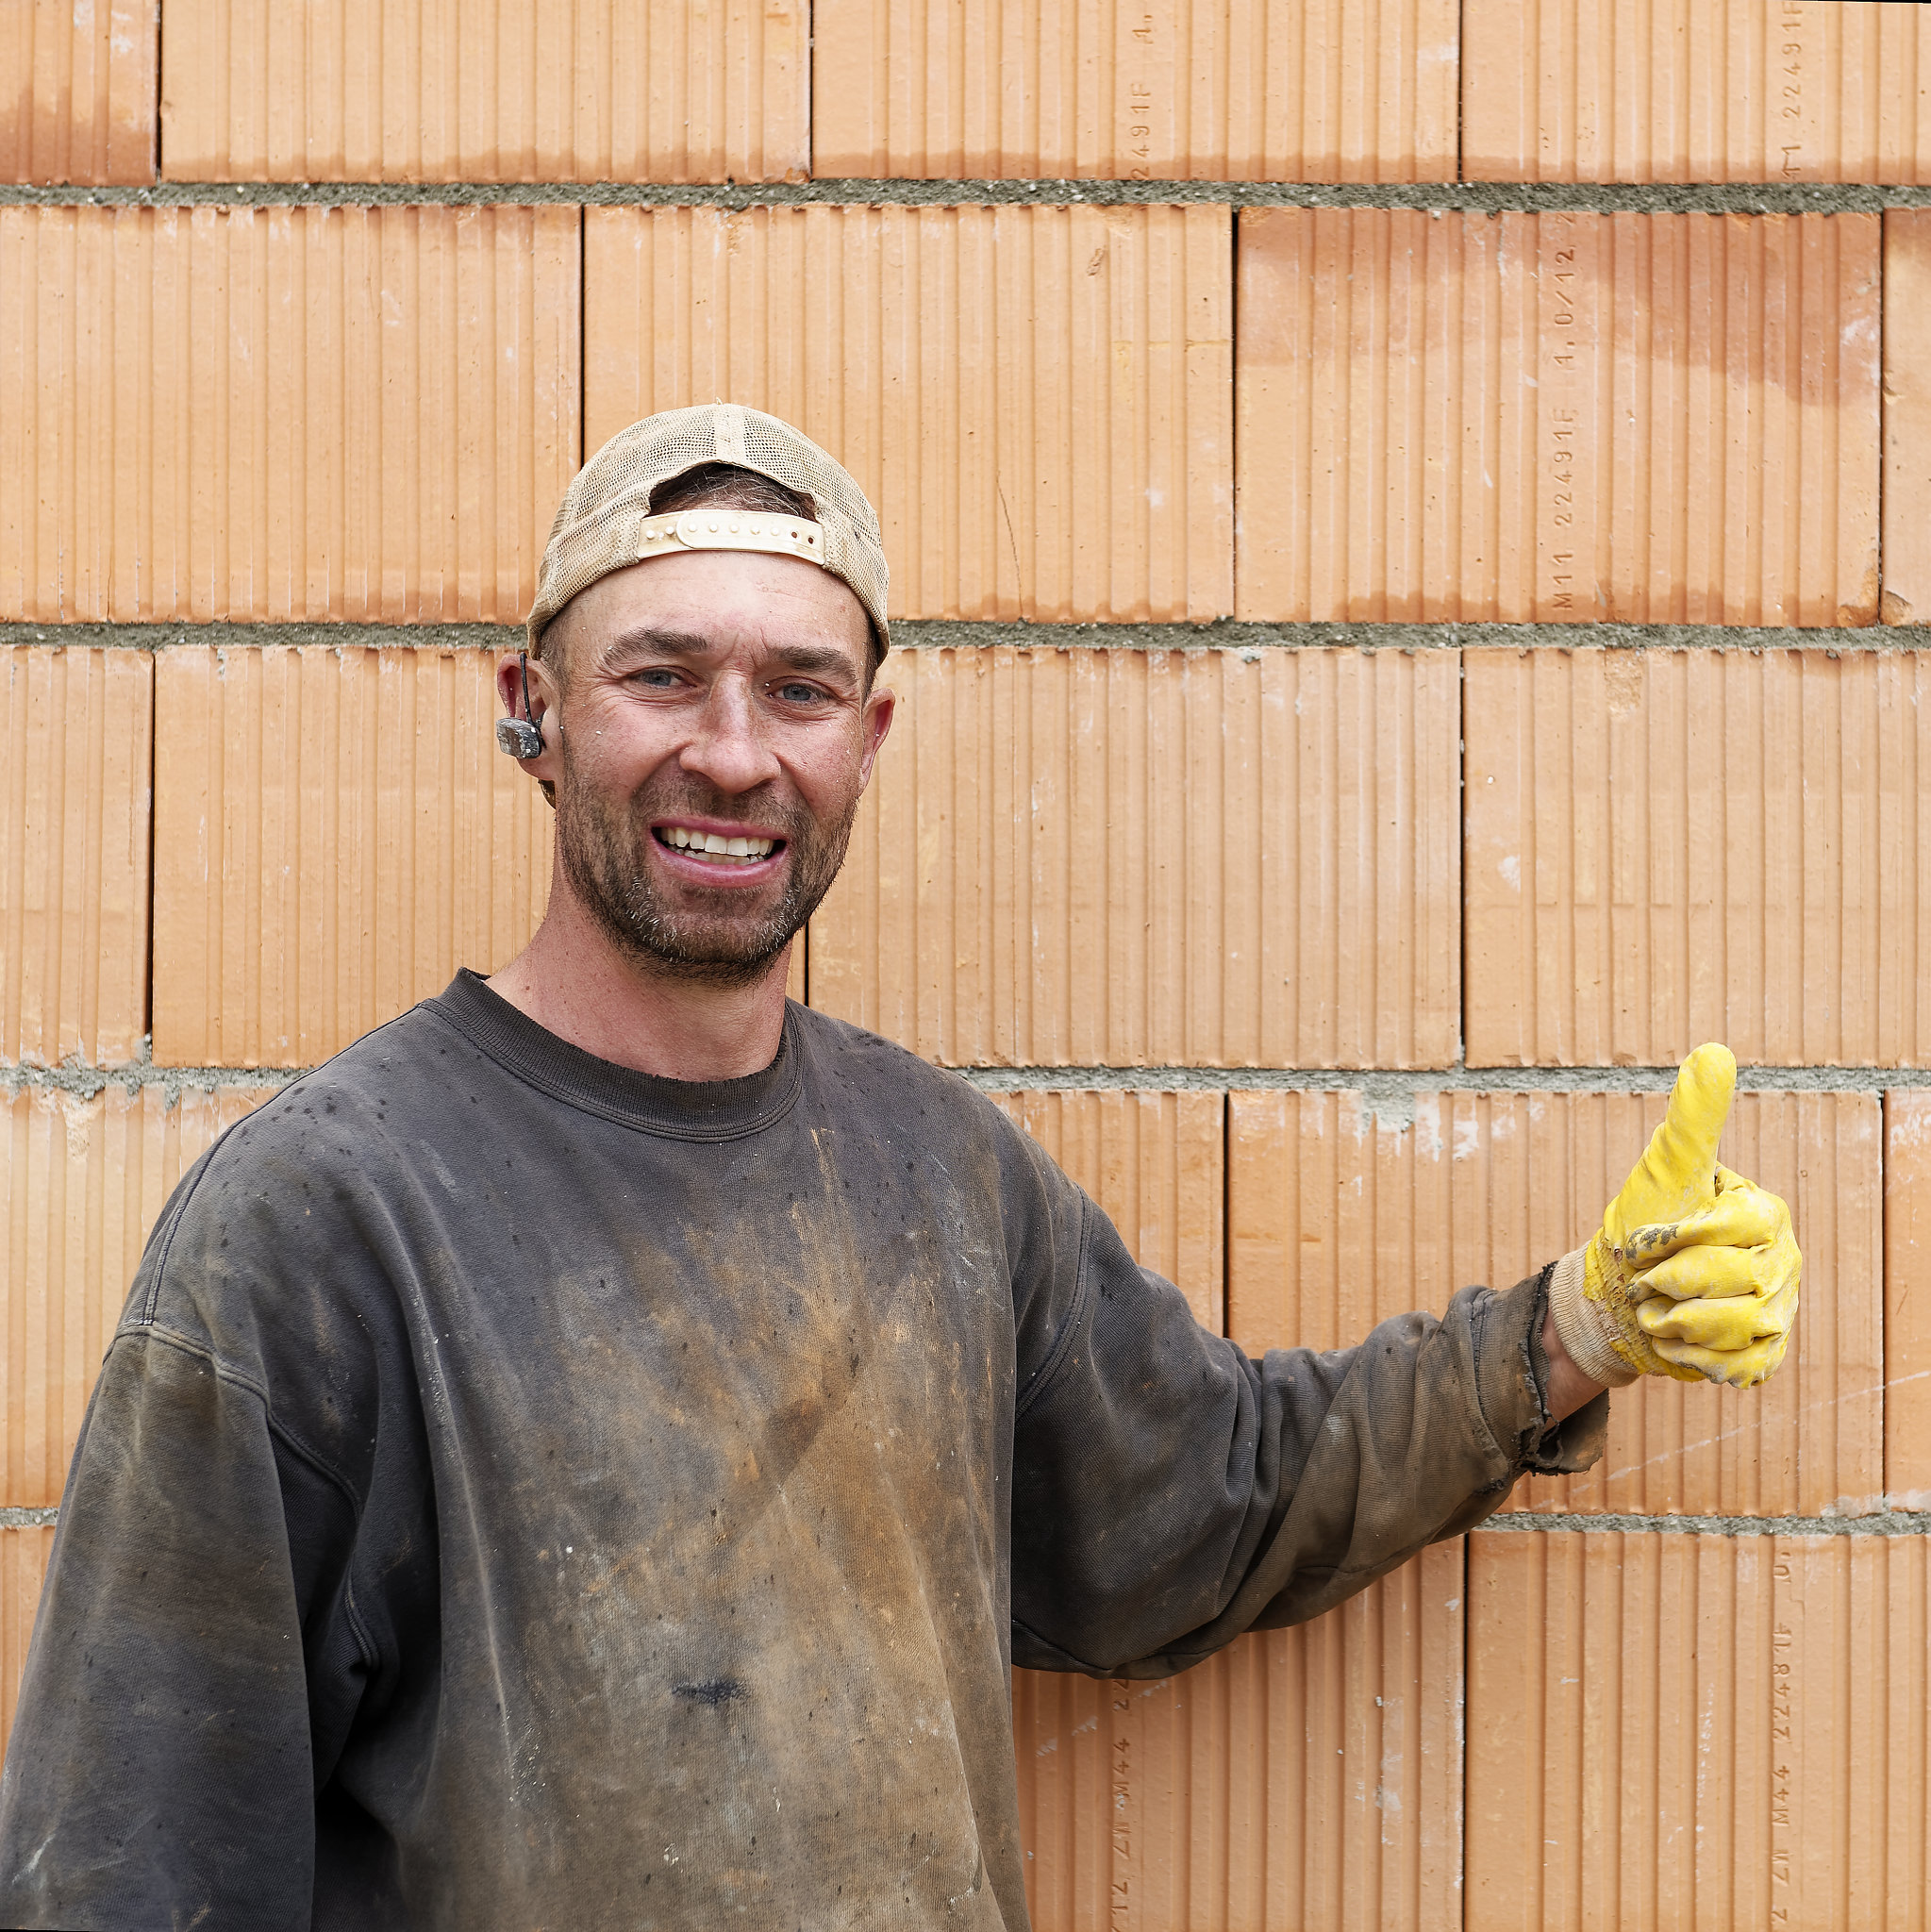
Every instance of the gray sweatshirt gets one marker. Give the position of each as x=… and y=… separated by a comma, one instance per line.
x=524, y=1493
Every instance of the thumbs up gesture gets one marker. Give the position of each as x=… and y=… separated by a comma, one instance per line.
x=1695, y=1271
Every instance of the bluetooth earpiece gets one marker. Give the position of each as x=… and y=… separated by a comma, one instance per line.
x=519, y=737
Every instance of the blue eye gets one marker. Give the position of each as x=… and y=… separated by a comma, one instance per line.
x=799, y=693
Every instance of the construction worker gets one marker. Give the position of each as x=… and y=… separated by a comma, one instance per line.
x=591, y=1454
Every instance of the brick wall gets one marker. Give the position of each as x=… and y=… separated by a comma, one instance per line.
x=1406, y=522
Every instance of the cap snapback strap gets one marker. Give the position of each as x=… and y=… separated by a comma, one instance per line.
x=713, y=528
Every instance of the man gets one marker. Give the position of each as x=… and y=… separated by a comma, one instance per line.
x=591, y=1455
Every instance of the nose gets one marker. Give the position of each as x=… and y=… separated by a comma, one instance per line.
x=728, y=745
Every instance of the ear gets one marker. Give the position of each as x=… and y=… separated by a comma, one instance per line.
x=531, y=727
x=881, y=707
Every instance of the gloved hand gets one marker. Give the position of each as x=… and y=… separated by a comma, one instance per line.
x=1695, y=1271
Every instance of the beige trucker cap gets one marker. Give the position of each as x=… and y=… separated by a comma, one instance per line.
x=604, y=522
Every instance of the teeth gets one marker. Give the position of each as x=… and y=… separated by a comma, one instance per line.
x=716, y=845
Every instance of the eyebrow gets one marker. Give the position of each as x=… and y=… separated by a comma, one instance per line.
x=672, y=644
x=822, y=658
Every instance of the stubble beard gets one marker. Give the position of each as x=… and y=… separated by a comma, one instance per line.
x=604, y=849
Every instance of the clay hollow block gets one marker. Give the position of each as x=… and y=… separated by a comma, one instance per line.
x=74, y=826
x=485, y=90
x=1337, y=1220
x=1693, y=90
x=82, y=1181
x=1037, y=400
x=1156, y=1165
x=1308, y=918
x=1691, y=1730
x=1560, y=418
x=336, y=832
x=1288, y=90
x=1907, y=1298
x=1307, y=1778
x=77, y=92
x=283, y=413
x=23, y=1554
x=1665, y=847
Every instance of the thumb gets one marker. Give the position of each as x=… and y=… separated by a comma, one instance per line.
x=1676, y=1174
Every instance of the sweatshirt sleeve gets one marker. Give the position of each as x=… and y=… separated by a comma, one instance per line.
x=160, y=1769
x=1169, y=1491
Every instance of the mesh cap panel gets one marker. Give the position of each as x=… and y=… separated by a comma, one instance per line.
x=598, y=523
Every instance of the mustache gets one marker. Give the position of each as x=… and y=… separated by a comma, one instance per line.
x=791, y=820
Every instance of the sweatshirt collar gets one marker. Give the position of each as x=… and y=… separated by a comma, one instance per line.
x=681, y=1109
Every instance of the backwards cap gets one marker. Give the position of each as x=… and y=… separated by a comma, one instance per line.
x=604, y=523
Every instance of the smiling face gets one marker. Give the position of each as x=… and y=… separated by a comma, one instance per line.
x=716, y=736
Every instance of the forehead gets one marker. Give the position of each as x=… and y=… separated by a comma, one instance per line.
x=727, y=600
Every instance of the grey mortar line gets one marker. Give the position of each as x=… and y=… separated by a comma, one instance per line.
x=130, y=1077
x=233, y=637
x=27, y=1519
x=1881, y=1523
x=1228, y=634
x=1473, y=197
x=1390, y=1094
x=1224, y=634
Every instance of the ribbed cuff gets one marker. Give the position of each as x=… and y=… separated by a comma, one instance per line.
x=1586, y=1330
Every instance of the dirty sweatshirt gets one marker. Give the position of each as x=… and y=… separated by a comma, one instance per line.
x=525, y=1493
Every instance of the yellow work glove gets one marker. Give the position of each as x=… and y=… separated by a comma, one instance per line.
x=1694, y=1273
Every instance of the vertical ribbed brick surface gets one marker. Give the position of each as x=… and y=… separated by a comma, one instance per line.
x=78, y=90
x=1907, y=1298
x=1036, y=400
x=24, y=1555
x=1155, y=1164
x=1133, y=857
x=1850, y=1807
x=1188, y=90
x=1620, y=1731
x=1302, y=1780
x=74, y=853
x=1694, y=91
x=336, y=832
x=288, y=412
x=483, y=90
x=81, y=1182
x=1906, y=415
x=1666, y=847
x=1557, y=418
x=1336, y=1221
x=1677, y=1730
